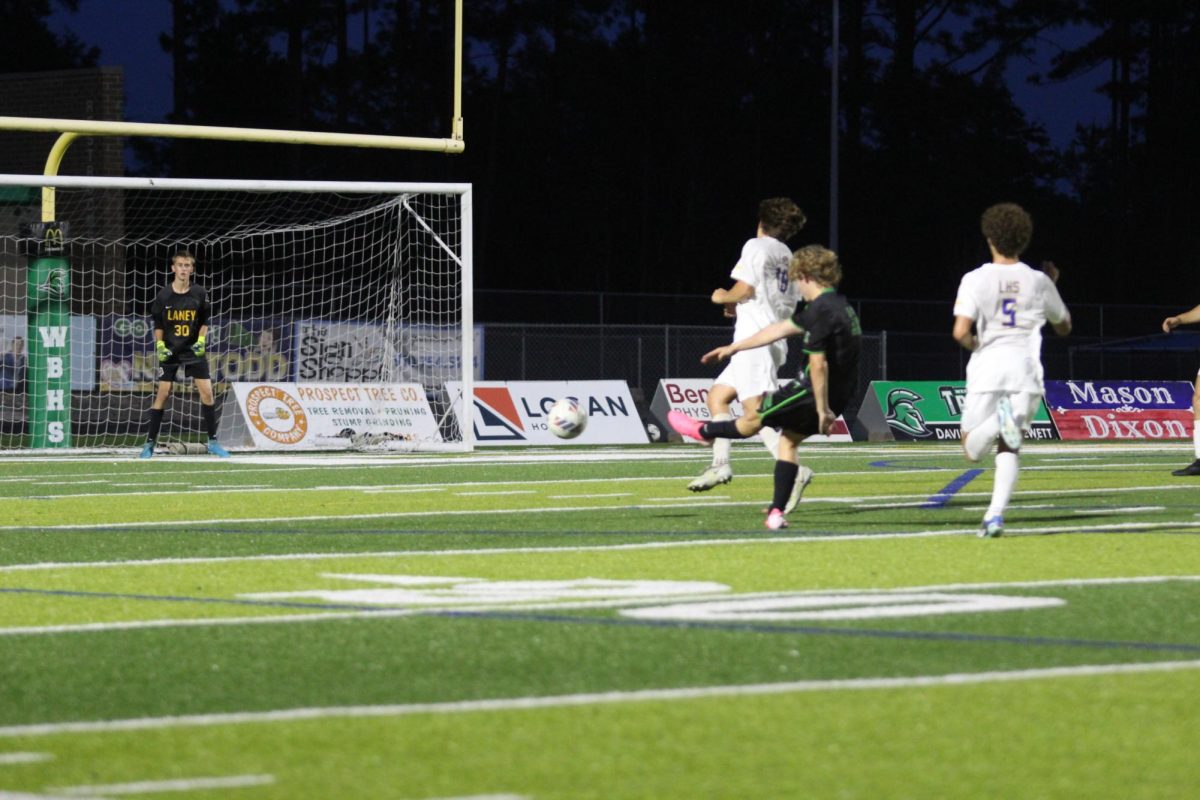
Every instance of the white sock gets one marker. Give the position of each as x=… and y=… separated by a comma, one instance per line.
x=1008, y=465
x=770, y=438
x=979, y=441
x=721, y=447
x=1196, y=437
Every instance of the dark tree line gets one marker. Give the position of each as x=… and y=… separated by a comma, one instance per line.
x=623, y=144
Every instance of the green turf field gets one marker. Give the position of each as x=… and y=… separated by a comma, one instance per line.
x=573, y=623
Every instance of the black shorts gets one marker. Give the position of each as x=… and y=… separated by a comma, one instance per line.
x=195, y=368
x=791, y=408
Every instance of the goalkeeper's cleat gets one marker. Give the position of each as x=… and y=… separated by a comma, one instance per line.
x=1010, y=431
x=992, y=527
x=215, y=448
x=147, y=450
x=775, y=520
x=687, y=426
x=1191, y=469
x=711, y=478
x=160, y=347
x=803, y=478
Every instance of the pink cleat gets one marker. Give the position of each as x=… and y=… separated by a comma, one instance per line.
x=687, y=426
x=775, y=520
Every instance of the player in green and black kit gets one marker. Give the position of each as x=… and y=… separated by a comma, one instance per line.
x=827, y=385
x=180, y=314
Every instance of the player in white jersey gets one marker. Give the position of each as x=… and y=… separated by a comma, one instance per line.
x=762, y=294
x=1170, y=324
x=1007, y=302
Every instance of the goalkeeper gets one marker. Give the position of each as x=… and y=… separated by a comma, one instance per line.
x=180, y=315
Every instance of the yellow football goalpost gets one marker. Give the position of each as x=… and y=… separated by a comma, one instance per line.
x=48, y=276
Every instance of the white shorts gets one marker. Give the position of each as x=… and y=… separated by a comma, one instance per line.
x=981, y=406
x=750, y=373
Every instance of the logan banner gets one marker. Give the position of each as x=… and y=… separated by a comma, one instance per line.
x=514, y=412
x=690, y=396
x=926, y=411
x=291, y=416
x=1121, y=409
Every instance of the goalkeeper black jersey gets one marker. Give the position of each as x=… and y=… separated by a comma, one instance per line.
x=180, y=316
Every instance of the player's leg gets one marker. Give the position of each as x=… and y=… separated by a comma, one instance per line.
x=1013, y=411
x=157, y=408
x=719, y=471
x=794, y=411
x=1194, y=467
x=980, y=423
x=208, y=408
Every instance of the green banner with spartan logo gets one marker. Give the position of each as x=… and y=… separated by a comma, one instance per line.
x=926, y=411
x=48, y=283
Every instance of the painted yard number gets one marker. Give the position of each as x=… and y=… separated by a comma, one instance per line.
x=446, y=592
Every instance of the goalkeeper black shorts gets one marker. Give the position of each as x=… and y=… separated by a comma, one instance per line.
x=193, y=367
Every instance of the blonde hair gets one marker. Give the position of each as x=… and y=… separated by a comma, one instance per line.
x=816, y=263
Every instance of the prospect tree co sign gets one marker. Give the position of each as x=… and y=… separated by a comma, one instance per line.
x=1121, y=409
x=926, y=411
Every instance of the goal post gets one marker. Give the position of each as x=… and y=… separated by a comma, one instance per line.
x=311, y=284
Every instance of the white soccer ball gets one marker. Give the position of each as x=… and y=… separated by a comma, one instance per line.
x=566, y=419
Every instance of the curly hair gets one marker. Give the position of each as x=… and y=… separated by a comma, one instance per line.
x=1008, y=227
x=780, y=218
x=816, y=263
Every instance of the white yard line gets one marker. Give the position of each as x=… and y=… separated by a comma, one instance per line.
x=7, y=759
x=593, y=699
x=176, y=785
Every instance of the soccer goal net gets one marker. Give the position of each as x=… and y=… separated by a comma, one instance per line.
x=345, y=306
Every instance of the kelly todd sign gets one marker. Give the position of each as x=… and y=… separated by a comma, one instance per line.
x=287, y=416
x=1121, y=409
x=514, y=412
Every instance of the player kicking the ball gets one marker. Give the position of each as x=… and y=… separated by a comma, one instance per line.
x=180, y=314
x=1007, y=302
x=828, y=382
x=762, y=294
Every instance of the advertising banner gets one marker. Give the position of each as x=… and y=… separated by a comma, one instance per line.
x=290, y=416
x=690, y=396
x=926, y=411
x=15, y=341
x=362, y=351
x=1121, y=409
x=237, y=350
x=514, y=412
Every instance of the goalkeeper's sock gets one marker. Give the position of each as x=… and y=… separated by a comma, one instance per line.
x=153, y=424
x=210, y=419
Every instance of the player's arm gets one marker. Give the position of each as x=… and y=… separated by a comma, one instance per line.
x=1186, y=318
x=818, y=375
x=963, y=334
x=772, y=333
x=737, y=293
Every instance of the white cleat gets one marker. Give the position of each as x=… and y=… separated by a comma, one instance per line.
x=711, y=477
x=803, y=479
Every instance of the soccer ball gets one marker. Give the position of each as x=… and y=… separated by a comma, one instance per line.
x=566, y=419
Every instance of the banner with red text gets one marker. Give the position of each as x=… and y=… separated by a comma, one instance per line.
x=290, y=416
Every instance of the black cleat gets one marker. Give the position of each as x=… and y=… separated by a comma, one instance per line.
x=1191, y=469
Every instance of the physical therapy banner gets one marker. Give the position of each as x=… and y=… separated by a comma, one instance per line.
x=514, y=412
x=690, y=396
x=295, y=416
x=926, y=411
x=1121, y=409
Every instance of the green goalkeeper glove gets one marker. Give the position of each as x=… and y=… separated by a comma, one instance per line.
x=198, y=347
x=160, y=347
